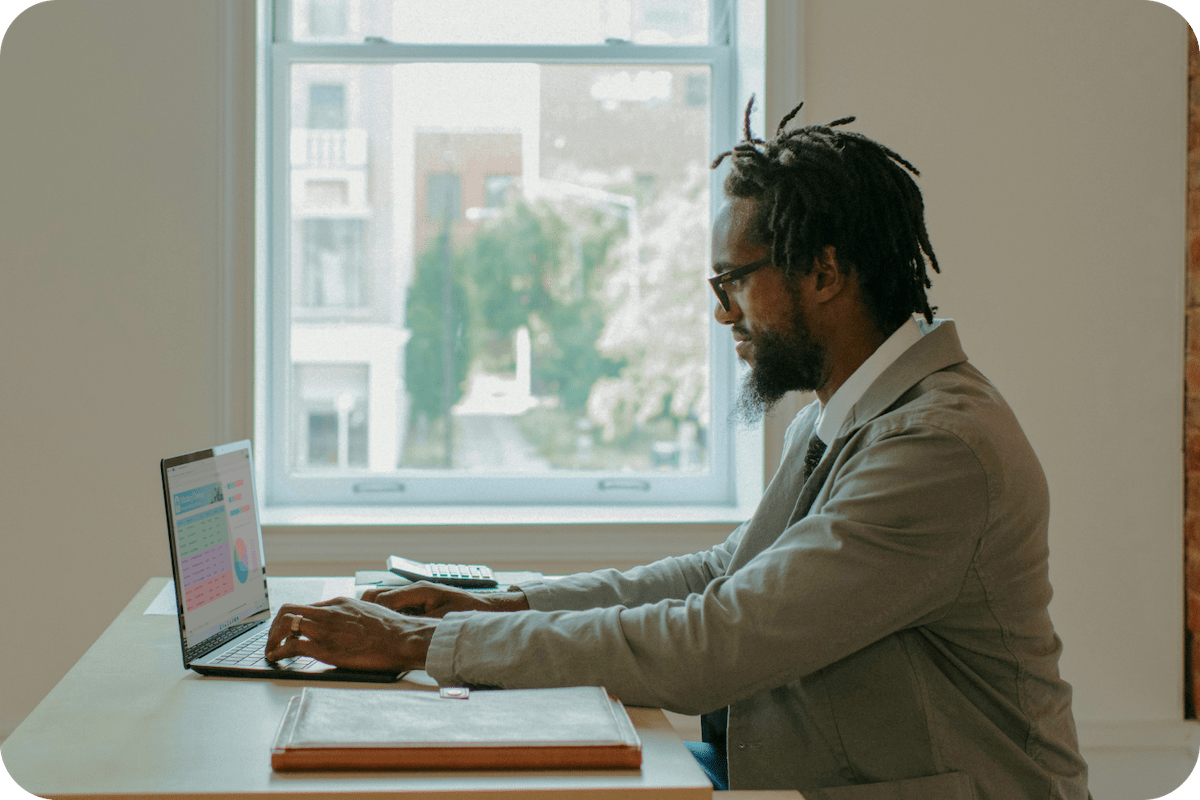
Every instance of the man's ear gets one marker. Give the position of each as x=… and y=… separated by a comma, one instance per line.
x=829, y=278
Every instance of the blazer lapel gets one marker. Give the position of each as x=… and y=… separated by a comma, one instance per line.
x=938, y=349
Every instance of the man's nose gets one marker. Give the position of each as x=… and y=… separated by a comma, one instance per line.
x=727, y=317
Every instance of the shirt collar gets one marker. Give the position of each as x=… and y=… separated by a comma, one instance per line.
x=833, y=414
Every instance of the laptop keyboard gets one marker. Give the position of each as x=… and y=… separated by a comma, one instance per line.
x=211, y=643
x=250, y=653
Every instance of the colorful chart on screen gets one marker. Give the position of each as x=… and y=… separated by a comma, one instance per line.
x=240, y=567
x=203, y=548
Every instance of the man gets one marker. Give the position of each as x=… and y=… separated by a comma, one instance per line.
x=879, y=627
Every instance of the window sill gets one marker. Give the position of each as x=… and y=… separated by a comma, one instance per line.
x=548, y=539
x=475, y=516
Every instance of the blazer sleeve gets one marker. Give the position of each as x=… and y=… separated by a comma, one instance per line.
x=675, y=577
x=888, y=546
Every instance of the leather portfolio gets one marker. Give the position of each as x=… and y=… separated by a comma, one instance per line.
x=340, y=729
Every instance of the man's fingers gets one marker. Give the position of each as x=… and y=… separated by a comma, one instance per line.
x=280, y=626
x=288, y=648
x=351, y=634
x=373, y=594
x=333, y=601
x=296, y=639
x=422, y=599
x=321, y=610
x=395, y=597
x=291, y=623
x=295, y=647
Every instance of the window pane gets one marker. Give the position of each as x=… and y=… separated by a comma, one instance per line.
x=328, y=19
x=502, y=21
x=326, y=106
x=443, y=193
x=330, y=404
x=504, y=263
x=334, y=264
x=496, y=190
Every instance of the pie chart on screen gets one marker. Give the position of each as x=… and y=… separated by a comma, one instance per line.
x=239, y=561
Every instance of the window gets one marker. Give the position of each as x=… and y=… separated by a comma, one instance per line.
x=643, y=187
x=697, y=90
x=334, y=263
x=328, y=19
x=443, y=198
x=332, y=423
x=489, y=231
x=496, y=190
x=326, y=106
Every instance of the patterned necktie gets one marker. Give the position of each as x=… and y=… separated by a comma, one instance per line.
x=816, y=449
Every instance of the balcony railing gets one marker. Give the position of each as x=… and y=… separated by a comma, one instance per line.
x=346, y=147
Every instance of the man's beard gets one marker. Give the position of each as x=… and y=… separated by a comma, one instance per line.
x=783, y=363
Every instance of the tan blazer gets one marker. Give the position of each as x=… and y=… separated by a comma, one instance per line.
x=878, y=632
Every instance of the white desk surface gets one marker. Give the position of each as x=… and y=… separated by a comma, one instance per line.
x=154, y=729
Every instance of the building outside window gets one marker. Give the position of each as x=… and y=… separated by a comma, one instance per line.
x=328, y=19
x=488, y=257
x=334, y=262
x=443, y=197
x=497, y=189
x=326, y=106
x=332, y=420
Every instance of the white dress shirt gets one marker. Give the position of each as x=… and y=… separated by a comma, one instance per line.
x=833, y=414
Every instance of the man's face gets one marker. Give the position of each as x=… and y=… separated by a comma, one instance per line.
x=766, y=317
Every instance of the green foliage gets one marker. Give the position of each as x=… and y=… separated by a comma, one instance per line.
x=567, y=362
x=424, y=360
x=509, y=261
x=534, y=267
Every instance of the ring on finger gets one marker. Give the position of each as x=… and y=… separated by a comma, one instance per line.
x=296, y=620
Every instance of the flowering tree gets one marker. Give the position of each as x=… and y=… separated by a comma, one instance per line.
x=656, y=321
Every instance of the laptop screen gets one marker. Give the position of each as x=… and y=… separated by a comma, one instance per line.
x=215, y=539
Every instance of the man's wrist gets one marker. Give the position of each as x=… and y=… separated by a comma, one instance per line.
x=419, y=641
x=512, y=600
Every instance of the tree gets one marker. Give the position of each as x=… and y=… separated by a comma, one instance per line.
x=543, y=267
x=424, y=363
x=656, y=309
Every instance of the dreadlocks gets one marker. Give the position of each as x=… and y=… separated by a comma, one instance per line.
x=816, y=187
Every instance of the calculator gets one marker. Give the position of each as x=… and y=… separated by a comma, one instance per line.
x=464, y=576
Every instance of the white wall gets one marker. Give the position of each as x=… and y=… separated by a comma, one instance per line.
x=108, y=254
x=1052, y=149
x=1051, y=139
x=1052, y=143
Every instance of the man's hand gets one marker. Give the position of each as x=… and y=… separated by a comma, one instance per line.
x=424, y=599
x=350, y=634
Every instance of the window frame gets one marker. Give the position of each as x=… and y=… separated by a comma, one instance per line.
x=736, y=454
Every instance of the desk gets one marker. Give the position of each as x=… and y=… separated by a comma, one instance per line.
x=154, y=729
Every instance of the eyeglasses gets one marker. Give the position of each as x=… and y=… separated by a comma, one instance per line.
x=732, y=275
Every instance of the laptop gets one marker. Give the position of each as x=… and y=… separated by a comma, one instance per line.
x=221, y=571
